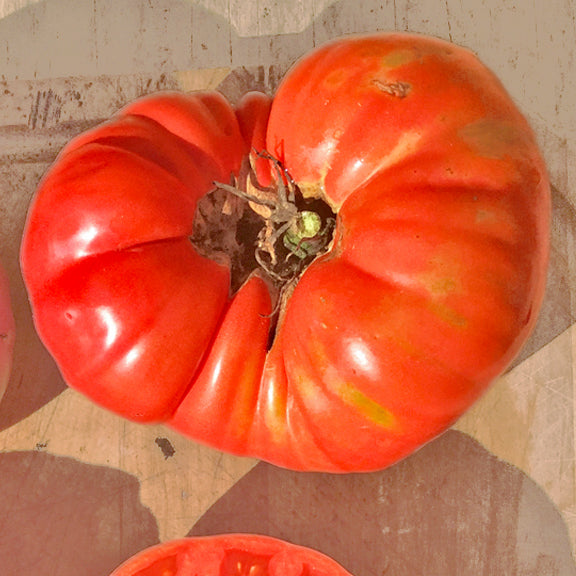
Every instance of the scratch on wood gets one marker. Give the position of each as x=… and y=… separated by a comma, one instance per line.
x=449, y=23
x=46, y=109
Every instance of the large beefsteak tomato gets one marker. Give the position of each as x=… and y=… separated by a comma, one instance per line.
x=230, y=555
x=399, y=264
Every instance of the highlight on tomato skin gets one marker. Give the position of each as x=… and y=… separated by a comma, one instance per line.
x=230, y=555
x=325, y=279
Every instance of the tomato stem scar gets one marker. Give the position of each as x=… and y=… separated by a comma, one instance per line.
x=290, y=231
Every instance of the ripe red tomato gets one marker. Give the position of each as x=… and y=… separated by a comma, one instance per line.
x=7, y=332
x=397, y=211
x=229, y=555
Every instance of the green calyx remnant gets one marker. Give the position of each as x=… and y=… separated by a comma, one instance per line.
x=303, y=236
x=290, y=231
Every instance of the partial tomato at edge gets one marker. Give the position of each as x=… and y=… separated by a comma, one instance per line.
x=230, y=555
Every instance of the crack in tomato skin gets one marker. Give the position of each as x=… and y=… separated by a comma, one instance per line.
x=397, y=89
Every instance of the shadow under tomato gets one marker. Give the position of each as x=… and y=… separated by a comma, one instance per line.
x=59, y=517
x=451, y=508
x=35, y=379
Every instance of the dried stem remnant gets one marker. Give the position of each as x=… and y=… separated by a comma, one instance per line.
x=274, y=229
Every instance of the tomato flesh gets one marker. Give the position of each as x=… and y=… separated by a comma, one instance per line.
x=230, y=555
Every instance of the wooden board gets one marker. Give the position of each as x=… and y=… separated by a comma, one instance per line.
x=85, y=489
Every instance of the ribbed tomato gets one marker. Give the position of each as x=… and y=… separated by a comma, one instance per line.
x=332, y=304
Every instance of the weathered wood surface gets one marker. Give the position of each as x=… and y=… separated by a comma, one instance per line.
x=495, y=496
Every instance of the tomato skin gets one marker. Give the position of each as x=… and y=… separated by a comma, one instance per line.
x=431, y=285
x=339, y=117
x=219, y=405
x=113, y=280
x=230, y=555
x=439, y=267
x=253, y=111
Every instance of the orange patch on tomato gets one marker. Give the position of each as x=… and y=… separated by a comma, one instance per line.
x=399, y=57
x=336, y=78
x=490, y=138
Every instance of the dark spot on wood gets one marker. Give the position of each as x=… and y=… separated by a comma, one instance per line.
x=166, y=446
